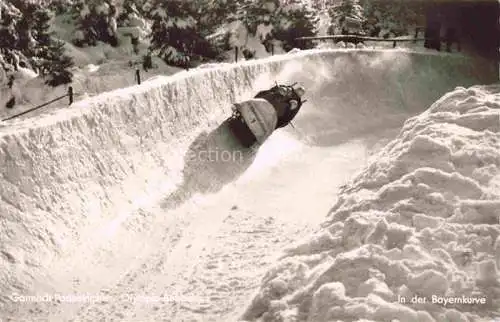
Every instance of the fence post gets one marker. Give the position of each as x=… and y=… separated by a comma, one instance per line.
x=394, y=44
x=236, y=53
x=272, y=49
x=70, y=94
x=138, y=76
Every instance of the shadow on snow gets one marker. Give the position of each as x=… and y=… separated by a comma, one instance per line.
x=213, y=160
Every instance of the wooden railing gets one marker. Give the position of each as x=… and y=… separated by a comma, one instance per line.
x=69, y=94
x=358, y=38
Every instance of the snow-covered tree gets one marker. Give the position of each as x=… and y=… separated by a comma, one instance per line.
x=318, y=5
x=61, y=6
x=41, y=28
x=269, y=21
x=211, y=14
x=16, y=38
x=8, y=33
x=389, y=18
x=49, y=56
x=175, y=35
x=26, y=43
x=259, y=13
x=131, y=10
x=133, y=23
x=297, y=19
x=57, y=65
x=347, y=17
x=253, y=19
x=95, y=21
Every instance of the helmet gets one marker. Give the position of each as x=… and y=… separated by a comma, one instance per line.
x=300, y=90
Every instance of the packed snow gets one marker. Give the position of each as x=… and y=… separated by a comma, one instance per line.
x=85, y=186
x=110, y=210
x=414, y=237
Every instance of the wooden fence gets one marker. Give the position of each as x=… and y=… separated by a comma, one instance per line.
x=358, y=39
x=237, y=52
x=70, y=94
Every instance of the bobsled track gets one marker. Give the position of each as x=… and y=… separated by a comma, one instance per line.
x=138, y=205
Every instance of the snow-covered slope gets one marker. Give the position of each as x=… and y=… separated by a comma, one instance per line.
x=418, y=227
x=72, y=175
x=97, y=69
x=87, y=81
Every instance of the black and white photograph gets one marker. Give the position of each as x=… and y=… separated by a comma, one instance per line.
x=250, y=160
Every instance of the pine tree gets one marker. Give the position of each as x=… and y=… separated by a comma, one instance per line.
x=259, y=12
x=347, y=17
x=16, y=41
x=58, y=65
x=282, y=20
x=50, y=57
x=94, y=21
x=175, y=35
x=387, y=18
x=85, y=25
x=8, y=32
x=60, y=7
x=213, y=17
x=298, y=19
x=129, y=8
x=41, y=29
x=258, y=17
x=26, y=43
x=318, y=5
x=211, y=14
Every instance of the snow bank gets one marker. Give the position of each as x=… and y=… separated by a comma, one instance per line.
x=420, y=225
x=90, y=80
x=69, y=174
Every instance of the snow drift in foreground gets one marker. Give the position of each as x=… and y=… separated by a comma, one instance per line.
x=420, y=225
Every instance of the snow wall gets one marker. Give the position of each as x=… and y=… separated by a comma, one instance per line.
x=414, y=237
x=74, y=173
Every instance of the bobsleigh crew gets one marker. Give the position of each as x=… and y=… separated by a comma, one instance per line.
x=251, y=121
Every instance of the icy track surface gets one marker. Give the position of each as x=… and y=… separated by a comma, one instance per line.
x=420, y=225
x=110, y=209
